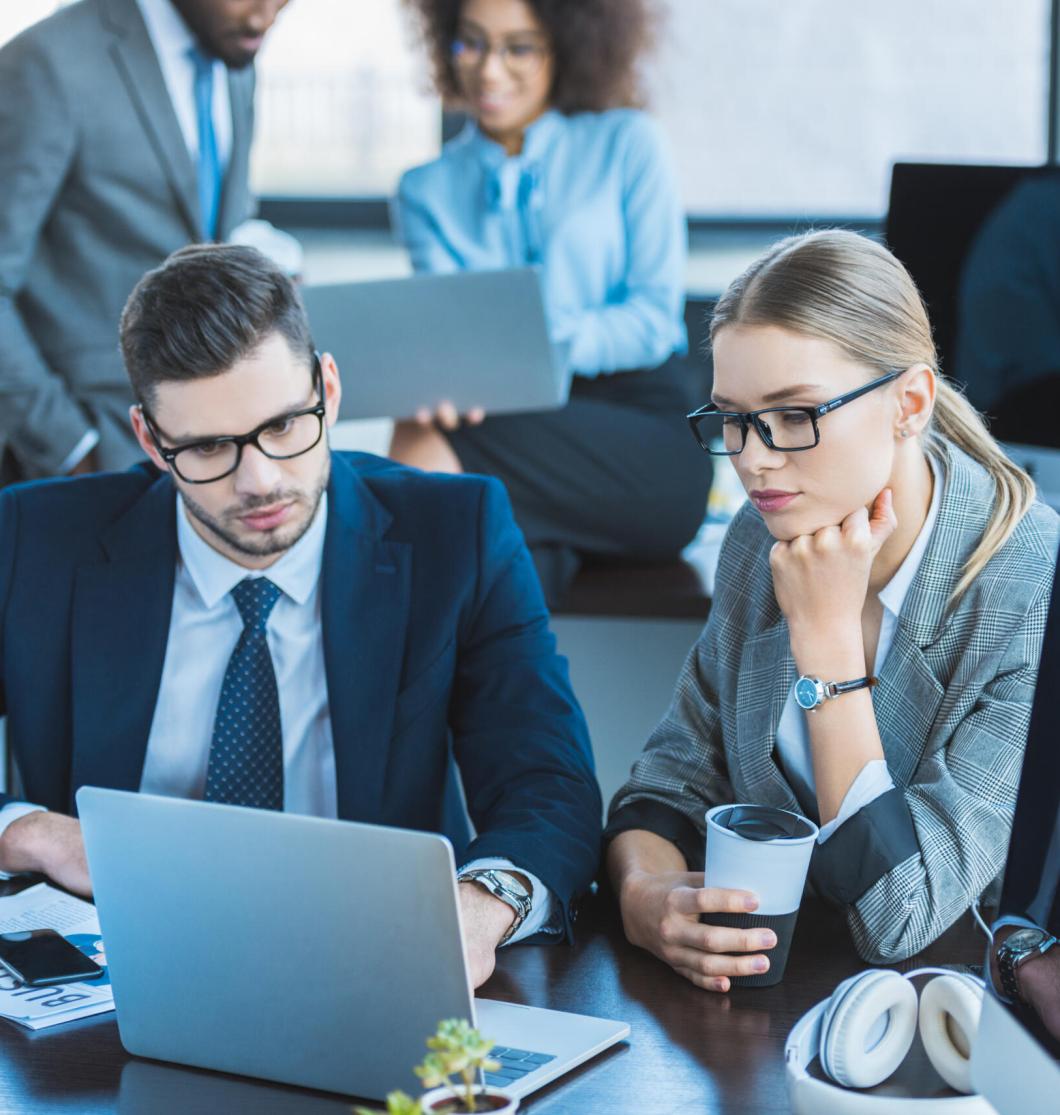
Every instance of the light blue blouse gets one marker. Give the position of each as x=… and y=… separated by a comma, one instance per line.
x=593, y=200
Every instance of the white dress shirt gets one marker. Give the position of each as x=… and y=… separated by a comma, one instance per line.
x=172, y=40
x=204, y=627
x=793, y=737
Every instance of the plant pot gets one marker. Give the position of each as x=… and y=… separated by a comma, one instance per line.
x=490, y=1101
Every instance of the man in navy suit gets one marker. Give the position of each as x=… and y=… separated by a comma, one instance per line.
x=254, y=619
x=1024, y=957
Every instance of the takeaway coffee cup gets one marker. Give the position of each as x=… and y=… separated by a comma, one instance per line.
x=766, y=850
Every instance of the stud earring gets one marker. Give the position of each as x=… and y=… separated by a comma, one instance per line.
x=903, y=433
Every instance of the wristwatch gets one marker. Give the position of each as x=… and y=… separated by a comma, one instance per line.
x=1015, y=951
x=506, y=887
x=811, y=692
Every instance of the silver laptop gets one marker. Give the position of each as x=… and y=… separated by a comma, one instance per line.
x=310, y=952
x=474, y=338
x=1010, y=1067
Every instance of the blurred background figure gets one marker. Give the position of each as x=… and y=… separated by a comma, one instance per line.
x=1008, y=315
x=556, y=169
x=126, y=128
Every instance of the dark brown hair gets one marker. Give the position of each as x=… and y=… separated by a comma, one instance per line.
x=204, y=309
x=595, y=47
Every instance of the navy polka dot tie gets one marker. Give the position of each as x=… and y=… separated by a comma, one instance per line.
x=246, y=755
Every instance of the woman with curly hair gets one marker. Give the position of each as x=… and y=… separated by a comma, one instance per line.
x=556, y=169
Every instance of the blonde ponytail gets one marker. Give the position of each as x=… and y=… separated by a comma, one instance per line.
x=956, y=420
x=850, y=290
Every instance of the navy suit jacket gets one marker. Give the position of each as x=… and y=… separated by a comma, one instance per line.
x=436, y=647
x=1032, y=877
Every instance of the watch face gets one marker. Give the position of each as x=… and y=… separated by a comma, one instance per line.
x=1024, y=939
x=806, y=692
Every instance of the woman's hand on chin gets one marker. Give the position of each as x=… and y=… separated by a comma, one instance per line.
x=821, y=579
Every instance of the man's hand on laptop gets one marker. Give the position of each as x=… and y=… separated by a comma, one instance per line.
x=486, y=920
x=447, y=418
x=48, y=843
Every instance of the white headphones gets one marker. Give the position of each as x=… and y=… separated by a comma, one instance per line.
x=864, y=1031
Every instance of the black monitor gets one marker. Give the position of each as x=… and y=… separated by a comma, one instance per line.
x=983, y=245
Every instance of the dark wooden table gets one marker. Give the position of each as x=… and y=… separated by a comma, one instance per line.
x=689, y=1051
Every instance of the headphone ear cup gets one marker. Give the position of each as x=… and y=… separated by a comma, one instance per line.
x=949, y=1017
x=859, y=1006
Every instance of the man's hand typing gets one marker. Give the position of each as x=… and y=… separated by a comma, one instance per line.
x=49, y=843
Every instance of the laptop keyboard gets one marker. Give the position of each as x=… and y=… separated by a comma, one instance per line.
x=515, y=1064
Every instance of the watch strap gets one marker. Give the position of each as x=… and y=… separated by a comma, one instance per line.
x=834, y=689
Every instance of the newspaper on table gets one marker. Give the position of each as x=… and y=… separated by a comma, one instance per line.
x=44, y=907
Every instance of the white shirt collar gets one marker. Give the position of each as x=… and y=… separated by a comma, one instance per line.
x=167, y=28
x=214, y=575
x=893, y=594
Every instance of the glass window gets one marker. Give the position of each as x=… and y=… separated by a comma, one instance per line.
x=17, y=17
x=773, y=110
x=343, y=103
x=800, y=109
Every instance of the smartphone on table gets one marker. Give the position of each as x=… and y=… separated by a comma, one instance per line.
x=41, y=957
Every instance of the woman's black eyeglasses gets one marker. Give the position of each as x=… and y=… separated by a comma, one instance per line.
x=283, y=437
x=723, y=433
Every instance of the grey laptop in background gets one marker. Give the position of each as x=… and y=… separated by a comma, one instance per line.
x=473, y=338
x=306, y=951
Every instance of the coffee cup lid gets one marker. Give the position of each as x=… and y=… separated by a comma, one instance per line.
x=763, y=822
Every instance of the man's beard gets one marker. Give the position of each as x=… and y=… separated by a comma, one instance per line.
x=268, y=542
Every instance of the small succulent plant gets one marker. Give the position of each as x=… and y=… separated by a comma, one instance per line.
x=458, y=1053
x=397, y=1103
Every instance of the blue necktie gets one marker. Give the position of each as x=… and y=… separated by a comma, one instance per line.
x=246, y=755
x=209, y=165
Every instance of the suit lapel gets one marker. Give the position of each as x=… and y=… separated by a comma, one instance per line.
x=365, y=607
x=119, y=629
x=767, y=672
x=905, y=702
x=136, y=61
x=909, y=695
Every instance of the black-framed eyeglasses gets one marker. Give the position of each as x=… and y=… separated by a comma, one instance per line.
x=723, y=433
x=281, y=438
x=521, y=57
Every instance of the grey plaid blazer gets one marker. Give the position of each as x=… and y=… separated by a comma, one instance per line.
x=952, y=705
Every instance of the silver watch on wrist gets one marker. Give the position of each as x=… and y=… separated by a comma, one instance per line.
x=505, y=886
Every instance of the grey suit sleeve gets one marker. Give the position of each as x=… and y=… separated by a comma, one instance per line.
x=682, y=771
x=38, y=419
x=954, y=818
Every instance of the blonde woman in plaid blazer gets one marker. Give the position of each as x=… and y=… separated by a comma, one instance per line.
x=913, y=778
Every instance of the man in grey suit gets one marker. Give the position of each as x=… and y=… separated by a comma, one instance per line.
x=125, y=127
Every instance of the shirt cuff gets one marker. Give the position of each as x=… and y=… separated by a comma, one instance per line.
x=872, y=842
x=544, y=916
x=79, y=452
x=873, y=780
x=11, y=813
x=663, y=820
x=1007, y=919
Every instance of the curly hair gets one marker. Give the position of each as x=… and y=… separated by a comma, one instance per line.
x=595, y=46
